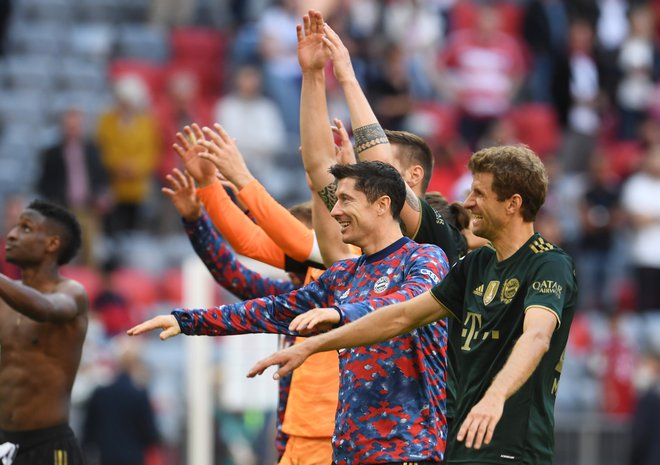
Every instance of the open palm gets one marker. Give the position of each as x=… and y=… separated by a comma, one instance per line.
x=312, y=54
x=202, y=170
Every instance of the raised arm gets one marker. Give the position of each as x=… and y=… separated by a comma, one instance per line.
x=67, y=302
x=212, y=249
x=294, y=238
x=246, y=237
x=386, y=323
x=371, y=143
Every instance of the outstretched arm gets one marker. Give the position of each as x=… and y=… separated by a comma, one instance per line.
x=266, y=315
x=294, y=238
x=384, y=324
x=67, y=302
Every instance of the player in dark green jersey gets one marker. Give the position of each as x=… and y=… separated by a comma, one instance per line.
x=515, y=300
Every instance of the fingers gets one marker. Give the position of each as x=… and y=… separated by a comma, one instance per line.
x=307, y=25
x=189, y=138
x=261, y=365
x=316, y=21
x=144, y=327
x=197, y=132
x=301, y=321
x=299, y=33
x=332, y=36
x=223, y=134
x=476, y=430
x=169, y=332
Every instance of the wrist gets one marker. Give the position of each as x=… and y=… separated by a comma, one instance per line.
x=348, y=81
x=192, y=216
x=242, y=180
x=205, y=182
x=317, y=75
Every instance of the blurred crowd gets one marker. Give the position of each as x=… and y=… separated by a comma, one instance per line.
x=92, y=93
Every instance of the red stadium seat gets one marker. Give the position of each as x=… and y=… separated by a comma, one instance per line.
x=536, y=125
x=171, y=287
x=464, y=14
x=625, y=157
x=138, y=287
x=87, y=276
x=441, y=120
x=152, y=74
x=197, y=44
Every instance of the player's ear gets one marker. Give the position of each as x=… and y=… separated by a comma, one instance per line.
x=53, y=244
x=414, y=175
x=383, y=203
x=514, y=204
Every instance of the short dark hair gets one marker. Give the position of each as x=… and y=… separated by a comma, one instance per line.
x=413, y=151
x=66, y=223
x=303, y=213
x=375, y=179
x=516, y=169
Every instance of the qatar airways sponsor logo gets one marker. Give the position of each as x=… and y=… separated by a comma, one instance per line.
x=548, y=287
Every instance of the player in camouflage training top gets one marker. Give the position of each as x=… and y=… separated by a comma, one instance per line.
x=515, y=301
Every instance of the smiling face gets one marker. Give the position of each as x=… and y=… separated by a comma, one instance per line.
x=489, y=214
x=357, y=217
x=30, y=239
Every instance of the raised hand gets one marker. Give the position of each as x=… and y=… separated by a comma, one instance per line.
x=312, y=54
x=221, y=150
x=341, y=59
x=344, y=151
x=168, y=324
x=188, y=147
x=182, y=195
x=317, y=320
x=289, y=359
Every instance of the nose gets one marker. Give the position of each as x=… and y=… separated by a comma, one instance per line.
x=468, y=203
x=336, y=210
x=11, y=235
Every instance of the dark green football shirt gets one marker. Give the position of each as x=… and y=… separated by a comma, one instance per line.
x=434, y=229
x=490, y=299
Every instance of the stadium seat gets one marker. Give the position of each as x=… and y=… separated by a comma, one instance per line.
x=463, y=15
x=171, y=287
x=138, y=287
x=30, y=72
x=51, y=10
x=81, y=75
x=433, y=120
x=92, y=40
x=625, y=157
x=87, y=276
x=536, y=125
x=23, y=107
x=38, y=37
x=151, y=73
x=143, y=42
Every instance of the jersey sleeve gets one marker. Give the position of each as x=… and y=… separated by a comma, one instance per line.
x=450, y=291
x=288, y=232
x=244, y=236
x=435, y=229
x=224, y=266
x=551, y=284
x=271, y=314
x=428, y=267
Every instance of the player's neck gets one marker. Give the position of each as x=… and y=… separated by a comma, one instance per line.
x=382, y=238
x=512, y=238
x=39, y=275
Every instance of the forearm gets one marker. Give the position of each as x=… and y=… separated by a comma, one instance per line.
x=381, y=325
x=224, y=266
x=316, y=140
x=523, y=360
x=26, y=300
x=290, y=234
x=244, y=236
x=370, y=140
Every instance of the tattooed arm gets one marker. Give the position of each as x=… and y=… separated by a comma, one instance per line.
x=371, y=141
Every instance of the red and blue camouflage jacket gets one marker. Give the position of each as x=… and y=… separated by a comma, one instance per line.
x=392, y=394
